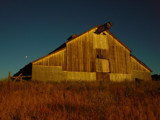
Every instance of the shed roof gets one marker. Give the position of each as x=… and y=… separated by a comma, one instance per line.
x=59, y=48
x=141, y=62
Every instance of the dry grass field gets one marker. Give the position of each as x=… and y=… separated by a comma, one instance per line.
x=80, y=101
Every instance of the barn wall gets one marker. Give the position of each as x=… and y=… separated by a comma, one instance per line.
x=135, y=65
x=47, y=73
x=83, y=51
x=102, y=65
x=142, y=75
x=102, y=76
x=80, y=54
x=80, y=76
x=55, y=73
x=139, y=71
x=54, y=59
x=119, y=56
x=108, y=48
x=117, y=77
x=100, y=41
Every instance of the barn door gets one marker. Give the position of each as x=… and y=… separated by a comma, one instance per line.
x=102, y=65
x=102, y=69
x=102, y=76
x=101, y=47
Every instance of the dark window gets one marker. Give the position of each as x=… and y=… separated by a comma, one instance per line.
x=101, y=53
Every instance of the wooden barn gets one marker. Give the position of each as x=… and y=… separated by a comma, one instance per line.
x=91, y=56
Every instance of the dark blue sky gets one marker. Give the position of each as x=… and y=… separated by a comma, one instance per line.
x=34, y=28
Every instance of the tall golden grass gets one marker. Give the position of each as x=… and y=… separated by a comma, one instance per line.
x=80, y=101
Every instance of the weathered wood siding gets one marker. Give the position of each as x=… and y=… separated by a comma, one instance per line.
x=80, y=53
x=54, y=59
x=137, y=66
x=119, y=56
x=100, y=41
x=102, y=76
x=101, y=50
x=141, y=75
x=80, y=76
x=139, y=70
x=83, y=51
x=47, y=73
x=55, y=73
x=118, y=77
x=102, y=65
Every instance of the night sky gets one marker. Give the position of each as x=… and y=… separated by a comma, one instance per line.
x=34, y=28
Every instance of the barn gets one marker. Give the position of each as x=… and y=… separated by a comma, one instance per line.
x=95, y=55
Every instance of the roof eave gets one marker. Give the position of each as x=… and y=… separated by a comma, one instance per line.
x=141, y=62
x=118, y=40
x=83, y=33
x=48, y=55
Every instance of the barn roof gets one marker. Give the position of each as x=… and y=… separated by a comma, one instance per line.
x=107, y=32
x=83, y=33
x=141, y=62
x=118, y=40
x=70, y=39
x=59, y=48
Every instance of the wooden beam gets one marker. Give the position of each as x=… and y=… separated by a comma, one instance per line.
x=103, y=27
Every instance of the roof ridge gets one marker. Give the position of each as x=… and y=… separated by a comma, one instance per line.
x=84, y=33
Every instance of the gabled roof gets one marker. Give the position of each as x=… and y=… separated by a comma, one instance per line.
x=141, y=63
x=107, y=32
x=83, y=33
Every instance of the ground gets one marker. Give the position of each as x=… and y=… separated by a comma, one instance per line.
x=80, y=101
